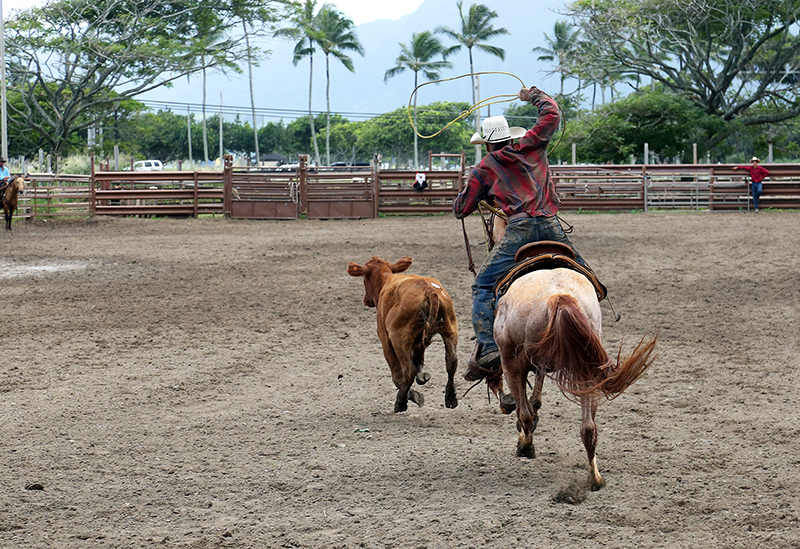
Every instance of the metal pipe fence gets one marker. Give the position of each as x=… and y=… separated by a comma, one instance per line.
x=369, y=192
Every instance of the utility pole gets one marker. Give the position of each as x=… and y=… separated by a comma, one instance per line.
x=3, y=113
x=189, y=129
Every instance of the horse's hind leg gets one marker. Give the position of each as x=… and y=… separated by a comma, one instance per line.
x=536, y=399
x=515, y=369
x=589, y=436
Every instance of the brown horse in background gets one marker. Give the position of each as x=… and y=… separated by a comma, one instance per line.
x=11, y=197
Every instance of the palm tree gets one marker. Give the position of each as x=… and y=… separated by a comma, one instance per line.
x=304, y=30
x=252, y=96
x=562, y=47
x=476, y=29
x=419, y=57
x=335, y=35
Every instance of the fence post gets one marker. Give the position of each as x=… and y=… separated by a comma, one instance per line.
x=644, y=184
x=694, y=153
x=574, y=154
x=461, y=172
x=711, y=179
x=92, y=184
x=376, y=184
x=302, y=173
x=195, y=195
x=227, y=185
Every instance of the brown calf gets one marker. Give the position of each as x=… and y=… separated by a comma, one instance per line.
x=411, y=310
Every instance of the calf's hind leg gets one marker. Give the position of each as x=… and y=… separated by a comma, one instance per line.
x=402, y=379
x=451, y=363
x=422, y=377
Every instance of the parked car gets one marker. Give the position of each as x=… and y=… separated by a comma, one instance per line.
x=147, y=166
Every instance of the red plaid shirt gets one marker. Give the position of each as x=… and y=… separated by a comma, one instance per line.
x=757, y=173
x=516, y=179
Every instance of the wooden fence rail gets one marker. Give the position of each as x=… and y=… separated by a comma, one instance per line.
x=368, y=192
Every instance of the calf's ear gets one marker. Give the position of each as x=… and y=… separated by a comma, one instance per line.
x=354, y=269
x=401, y=265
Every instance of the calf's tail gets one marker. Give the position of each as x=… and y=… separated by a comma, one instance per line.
x=430, y=313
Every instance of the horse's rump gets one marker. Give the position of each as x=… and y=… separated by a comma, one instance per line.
x=572, y=353
x=569, y=349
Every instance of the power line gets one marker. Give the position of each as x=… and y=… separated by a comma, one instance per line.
x=275, y=113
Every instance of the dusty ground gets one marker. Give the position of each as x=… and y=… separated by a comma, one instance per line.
x=213, y=383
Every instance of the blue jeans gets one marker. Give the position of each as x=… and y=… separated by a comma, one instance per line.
x=756, y=188
x=500, y=259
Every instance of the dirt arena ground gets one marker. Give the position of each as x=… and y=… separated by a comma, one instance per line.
x=216, y=383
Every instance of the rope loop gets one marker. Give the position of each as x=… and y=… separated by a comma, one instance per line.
x=501, y=98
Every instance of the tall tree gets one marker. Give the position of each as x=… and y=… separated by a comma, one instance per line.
x=335, y=35
x=72, y=62
x=304, y=29
x=426, y=55
x=561, y=48
x=726, y=56
x=252, y=95
x=476, y=29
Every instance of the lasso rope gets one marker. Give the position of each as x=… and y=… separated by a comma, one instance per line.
x=500, y=98
x=482, y=103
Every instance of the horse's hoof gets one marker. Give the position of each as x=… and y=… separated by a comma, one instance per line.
x=596, y=483
x=451, y=402
x=400, y=407
x=526, y=451
x=507, y=404
x=423, y=378
x=416, y=397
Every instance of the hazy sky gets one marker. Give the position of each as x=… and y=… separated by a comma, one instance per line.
x=360, y=11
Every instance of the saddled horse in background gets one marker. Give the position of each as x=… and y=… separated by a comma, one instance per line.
x=548, y=322
x=11, y=198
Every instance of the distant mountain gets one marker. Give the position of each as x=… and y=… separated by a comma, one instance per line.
x=282, y=89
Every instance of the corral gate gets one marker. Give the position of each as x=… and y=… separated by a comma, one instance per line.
x=319, y=194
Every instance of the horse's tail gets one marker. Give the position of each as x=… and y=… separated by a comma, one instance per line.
x=572, y=354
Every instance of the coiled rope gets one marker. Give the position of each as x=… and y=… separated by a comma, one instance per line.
x=500, y=98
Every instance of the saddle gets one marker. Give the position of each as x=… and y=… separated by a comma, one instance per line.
x=546, y=254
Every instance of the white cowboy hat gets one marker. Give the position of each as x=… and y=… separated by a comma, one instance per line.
x=755, y=159
x=495, y=130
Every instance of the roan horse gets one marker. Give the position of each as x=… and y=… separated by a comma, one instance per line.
x=411, y=310
x=548, y=322
x=11, y=197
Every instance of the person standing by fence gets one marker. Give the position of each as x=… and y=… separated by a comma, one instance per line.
x=757, y=175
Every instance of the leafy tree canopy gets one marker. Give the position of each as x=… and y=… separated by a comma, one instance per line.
x=667, y=122
x=72, y=62
x=724, y=56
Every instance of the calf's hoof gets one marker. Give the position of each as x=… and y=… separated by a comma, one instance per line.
x=423, y=378
x=416, y=397
x=507, y=404
x=450, y=401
